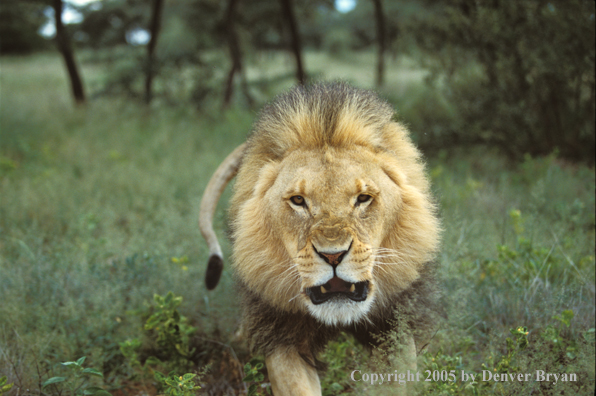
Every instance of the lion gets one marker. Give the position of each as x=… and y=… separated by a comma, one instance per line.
x=333, y=229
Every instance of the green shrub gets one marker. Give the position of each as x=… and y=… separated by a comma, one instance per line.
x=76, y=383
x=522, y=356
x=519, y=74
x=254, y=376
x=169, y=331
x=341, y=357
x=175, y=385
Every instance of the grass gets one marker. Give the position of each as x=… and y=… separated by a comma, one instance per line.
x=98, y=210
x=86, y=196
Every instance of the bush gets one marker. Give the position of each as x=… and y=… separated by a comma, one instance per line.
x=520, y=74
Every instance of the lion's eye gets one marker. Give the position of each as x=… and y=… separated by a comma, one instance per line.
x=298, y=200
x=362, y=198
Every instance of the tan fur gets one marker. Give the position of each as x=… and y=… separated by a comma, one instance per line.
x=290, y=375
x=223, y=174
x=328, y=144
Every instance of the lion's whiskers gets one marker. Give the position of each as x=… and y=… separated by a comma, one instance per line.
x=291, y=267
x=289, y=286
x=385, y=257
x=291, y=299
x=290, y=277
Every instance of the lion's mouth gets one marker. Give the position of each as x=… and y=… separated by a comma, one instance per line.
x=337, y=287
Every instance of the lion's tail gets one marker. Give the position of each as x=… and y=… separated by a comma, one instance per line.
x=224, y=173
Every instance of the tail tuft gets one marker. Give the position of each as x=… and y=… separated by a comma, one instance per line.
x=213, y=273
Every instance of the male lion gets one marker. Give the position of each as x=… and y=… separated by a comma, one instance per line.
x=333, y=229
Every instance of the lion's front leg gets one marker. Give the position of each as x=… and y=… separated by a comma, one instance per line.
x=398, y=362
x=290, y=375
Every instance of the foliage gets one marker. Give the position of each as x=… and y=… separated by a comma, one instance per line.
x=506, y=363
x=108, y=24
x=253, y=375
x=341, y=357
x=174, y=385
x=515, y=75
x=439, y=362
x=171, y=327
x=19, y=25
x=521, y=356
x=77, y=381
x=4, y=386
x=525, y=264
x=171, y=333
x=169, y=330
x=519, y=74
x=522, y=270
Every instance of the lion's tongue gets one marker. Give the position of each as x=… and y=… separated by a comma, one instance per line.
x=338, y=285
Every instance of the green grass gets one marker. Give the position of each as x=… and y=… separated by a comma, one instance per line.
x=93, y=207
x=96, y=203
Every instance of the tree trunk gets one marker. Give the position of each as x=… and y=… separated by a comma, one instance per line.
x=288, y=13
x=65, y=49
x=380, y=19
x=235, y=56
x=154, y=31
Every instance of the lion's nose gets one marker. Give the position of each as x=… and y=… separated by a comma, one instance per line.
x=333, y=259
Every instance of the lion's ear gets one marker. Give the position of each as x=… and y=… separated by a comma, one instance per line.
x=267, y=176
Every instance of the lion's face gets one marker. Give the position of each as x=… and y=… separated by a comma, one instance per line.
x=331, y=213
x=332, y=208
x=327, y=214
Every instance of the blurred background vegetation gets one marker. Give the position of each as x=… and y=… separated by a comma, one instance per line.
x=114, y=114
x=514, y=75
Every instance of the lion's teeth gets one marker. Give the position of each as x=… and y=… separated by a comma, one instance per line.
x=323, y=290
x=352, y=288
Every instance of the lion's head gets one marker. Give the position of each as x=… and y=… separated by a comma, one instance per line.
x=331, y=212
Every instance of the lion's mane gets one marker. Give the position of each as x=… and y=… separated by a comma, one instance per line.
x=340, y=117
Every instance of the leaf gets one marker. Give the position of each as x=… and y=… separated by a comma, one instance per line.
x=5, y=388
x=565, y=317
x=95, y=391
x=92, y=371
x=589, y=335
x=336, y=386
x=53, y=380
x=176, y=316
x=159, y=376
x=152, y=321
x=248, y=378
x=152, y=361
x=81, y=360
x=188, y=376
x=102, y=393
